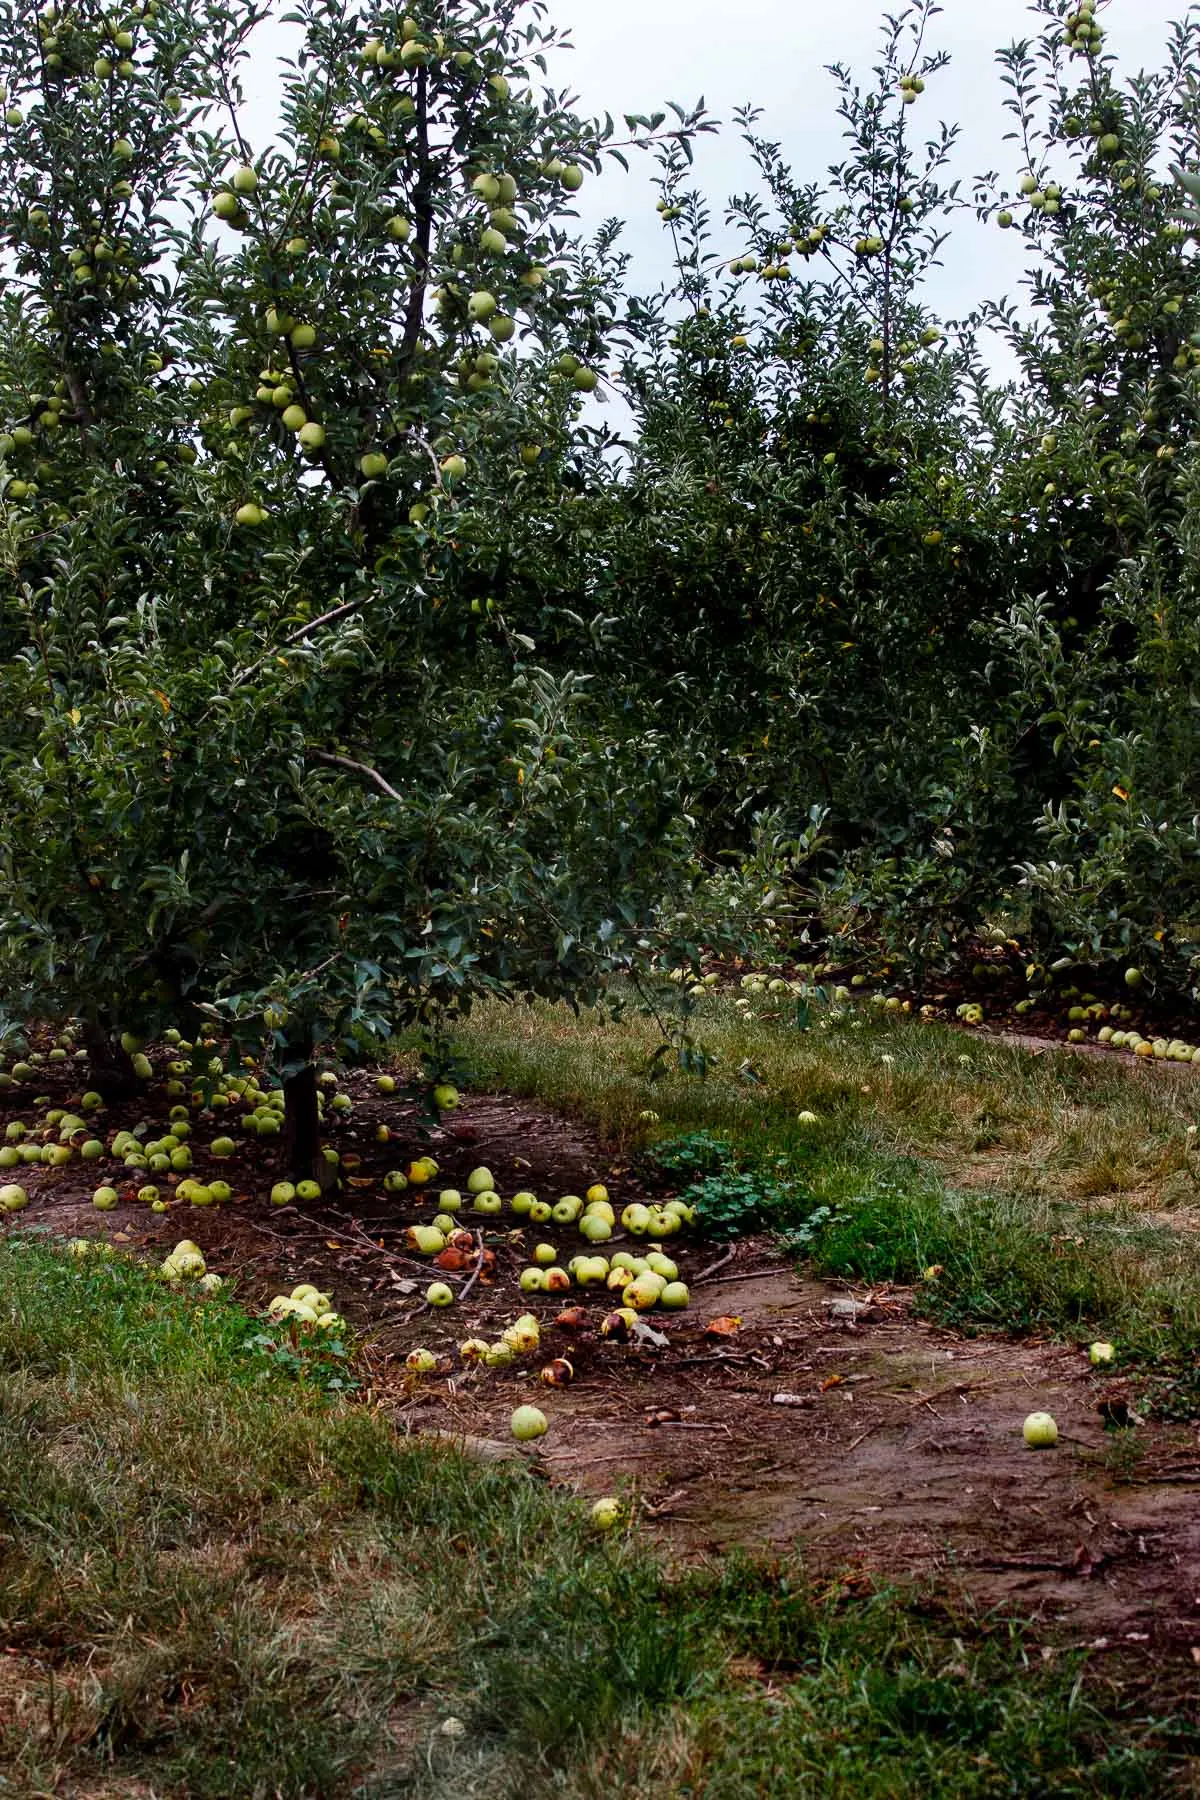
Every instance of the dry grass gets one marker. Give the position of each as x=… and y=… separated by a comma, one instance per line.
x=983, y=1113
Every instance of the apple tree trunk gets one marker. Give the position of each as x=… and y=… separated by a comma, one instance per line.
x=110, y=1068
x=301, y=1123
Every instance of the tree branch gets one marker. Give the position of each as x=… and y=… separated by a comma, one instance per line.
x=424, y=209
x=336, y=612
x=359, y=768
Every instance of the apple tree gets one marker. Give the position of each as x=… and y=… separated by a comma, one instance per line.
x=808, y=536
x=282, y=745
x=1101, y=485
x=939, y=624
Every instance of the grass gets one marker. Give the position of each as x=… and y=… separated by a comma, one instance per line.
x=218, y=1579
x=1058, y=1126
x=1015, y=1175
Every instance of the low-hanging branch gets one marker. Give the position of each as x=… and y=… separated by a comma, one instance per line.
x=305, y=630
x=359, y=768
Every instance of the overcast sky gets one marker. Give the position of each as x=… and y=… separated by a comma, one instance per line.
x=631, y=55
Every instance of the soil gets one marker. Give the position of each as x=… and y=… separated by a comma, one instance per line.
x=817, y=1418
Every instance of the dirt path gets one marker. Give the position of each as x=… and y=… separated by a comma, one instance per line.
x=897, y=1451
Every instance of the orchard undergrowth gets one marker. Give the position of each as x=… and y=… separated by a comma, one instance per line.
x=1051, y=1194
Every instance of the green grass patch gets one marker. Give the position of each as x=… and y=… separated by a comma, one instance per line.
x=216, y=1579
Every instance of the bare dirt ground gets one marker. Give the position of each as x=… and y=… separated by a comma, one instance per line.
x=812, y=1417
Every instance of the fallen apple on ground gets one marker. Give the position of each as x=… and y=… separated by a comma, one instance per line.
x=527, y=1423
x=1040, y=1431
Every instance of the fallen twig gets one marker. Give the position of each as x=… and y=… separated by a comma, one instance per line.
x=620, y=1457
x=657, y=1509
x=713, y=1267
x=686, y=1425
x=348, y=1227
x=266, y=1231
x=1038, y=1564
x=473, y=1277
x=957, y=1387
x=43, y=1201
x=751, y=1274
x=864, y=1435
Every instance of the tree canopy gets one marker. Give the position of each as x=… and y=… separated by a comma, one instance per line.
x=353, y=669
x=291, y=726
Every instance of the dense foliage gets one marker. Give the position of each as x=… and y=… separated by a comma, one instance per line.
x=351, y=670
x=279, y=430
x=941, y=629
